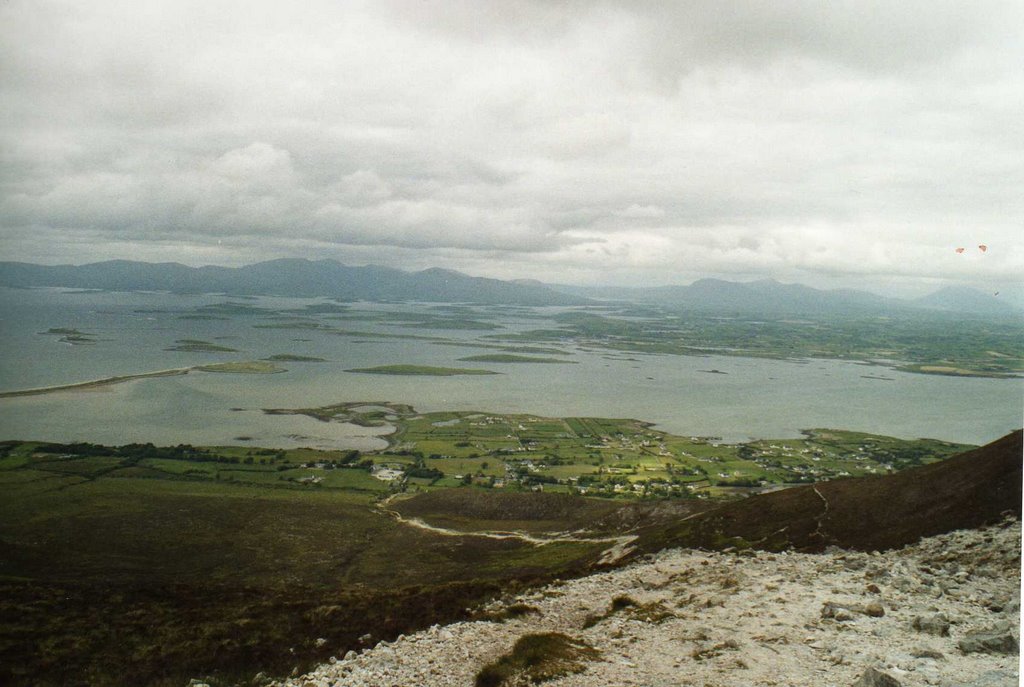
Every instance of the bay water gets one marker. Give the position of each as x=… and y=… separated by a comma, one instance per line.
x=747, y=398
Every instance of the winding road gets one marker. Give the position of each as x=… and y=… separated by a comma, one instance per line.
x=620, y=544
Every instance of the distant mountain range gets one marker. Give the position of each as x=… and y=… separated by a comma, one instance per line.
x=768, y=296
x=287, y=277
x=328, y=278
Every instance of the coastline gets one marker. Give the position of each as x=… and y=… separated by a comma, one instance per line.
x=94, y=384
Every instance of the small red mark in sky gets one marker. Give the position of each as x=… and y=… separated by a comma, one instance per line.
x=983, y=248
x=959, y=250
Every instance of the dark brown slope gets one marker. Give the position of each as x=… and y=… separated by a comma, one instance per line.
x=867, y=513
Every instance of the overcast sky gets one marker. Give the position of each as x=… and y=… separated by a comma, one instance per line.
x=832, y=143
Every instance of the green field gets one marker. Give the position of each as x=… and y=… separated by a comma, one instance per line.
x=611, y=457
x=620, y=458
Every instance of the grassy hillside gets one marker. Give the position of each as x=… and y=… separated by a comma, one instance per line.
x=119, y=570
x=868, y=513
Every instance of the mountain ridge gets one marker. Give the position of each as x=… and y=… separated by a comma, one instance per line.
x=287, y=277
x=301, y=277
x=779, y=298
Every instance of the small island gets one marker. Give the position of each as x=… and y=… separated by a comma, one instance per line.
x=424, y=370
x=252, y=367
x=509, y=358
x=70, y=336
x=198, y=346
x=292, y=358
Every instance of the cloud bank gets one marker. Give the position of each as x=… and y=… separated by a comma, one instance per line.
x=641, y=142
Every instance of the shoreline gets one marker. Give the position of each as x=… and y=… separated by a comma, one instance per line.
x=95, y=383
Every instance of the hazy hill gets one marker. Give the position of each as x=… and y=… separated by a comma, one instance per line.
x=770, y=297
x=963, y=299
x=286, y=277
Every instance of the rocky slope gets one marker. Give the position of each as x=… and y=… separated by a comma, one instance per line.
x=944, y=611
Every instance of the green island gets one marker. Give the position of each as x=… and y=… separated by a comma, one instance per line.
x=153, y=565
x=250, y=367
x=199, y=346
x=70, y=336
x=425, y=370
x=293, y=358
x=511, y=358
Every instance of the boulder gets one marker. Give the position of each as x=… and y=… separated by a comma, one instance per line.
x=998, y=639
x=937, y=624
x=873, y=677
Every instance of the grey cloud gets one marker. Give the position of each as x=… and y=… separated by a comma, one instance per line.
x=255, y=190
x=677, y=37
x=597, y=139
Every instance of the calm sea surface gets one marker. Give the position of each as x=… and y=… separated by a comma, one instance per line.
x=754, y=399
